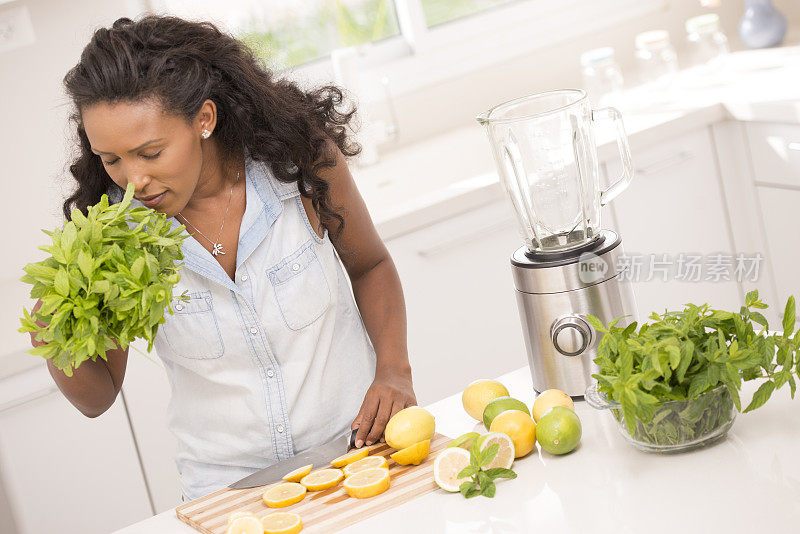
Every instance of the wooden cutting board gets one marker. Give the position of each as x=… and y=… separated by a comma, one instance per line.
x=321, y=511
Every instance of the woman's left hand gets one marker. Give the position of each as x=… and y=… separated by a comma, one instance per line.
x=390, y=392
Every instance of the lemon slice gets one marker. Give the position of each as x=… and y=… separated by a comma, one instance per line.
x=298, y=474
x=284, y=494
x=281, y=523
x=248, y=524
x=505, y=454
x=365, y=463
x=446, y=467
x=367, y=483
x=239, y=513
x=322, y=479
x=413, y=454
x=350, y=457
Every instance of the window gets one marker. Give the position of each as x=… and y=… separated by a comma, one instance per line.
x=291, y=33
x=440, y=11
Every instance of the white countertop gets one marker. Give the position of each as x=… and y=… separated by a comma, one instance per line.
x=749, y=481
x=422, y=183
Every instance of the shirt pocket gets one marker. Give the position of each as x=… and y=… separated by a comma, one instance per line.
x=301, y=288
x=192, y=332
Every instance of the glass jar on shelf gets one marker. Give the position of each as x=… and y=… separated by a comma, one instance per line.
x=602, y=76
x=656, y=57
x=708, y=44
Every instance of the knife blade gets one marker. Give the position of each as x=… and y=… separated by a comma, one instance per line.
x=317, y=455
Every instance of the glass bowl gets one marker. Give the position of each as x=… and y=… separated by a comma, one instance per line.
x=676, y=425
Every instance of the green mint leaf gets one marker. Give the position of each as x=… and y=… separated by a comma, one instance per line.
x=488, y=490
x=489, y=454
x=466, y=487
x=468, y=471
x=596, y=323
x=788, y=317
x=499, y=472
x=761, y=396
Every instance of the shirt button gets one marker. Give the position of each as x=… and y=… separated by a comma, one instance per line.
x=254, y=330
x=279, y=428
x=270, y=373
x=296, y=267
x=244, y=278
x=178, y=307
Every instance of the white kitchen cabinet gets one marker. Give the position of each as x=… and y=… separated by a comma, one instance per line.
x=61, y=471
x=462, y=314
x=779, y=211
x=775, y=152
x=673, y=212
x=147, y=393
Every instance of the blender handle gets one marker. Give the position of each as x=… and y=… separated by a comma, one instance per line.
x=624, y=153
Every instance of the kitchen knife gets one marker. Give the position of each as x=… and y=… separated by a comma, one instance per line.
x=319, y=456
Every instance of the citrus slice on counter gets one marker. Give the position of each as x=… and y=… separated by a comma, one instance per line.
x=322, y=479
x=505, y=453
x=447, y=465
x=367, y=483
x=350, y=457
x=239, y=513
x=281, y=523
x=248, y=524
x=413, y=454
x=365, y=463
x=284, y=494
x=298, y=474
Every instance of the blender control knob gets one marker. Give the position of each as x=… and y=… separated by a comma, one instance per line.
x=571, y=335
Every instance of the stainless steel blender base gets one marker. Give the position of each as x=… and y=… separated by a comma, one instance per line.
x=561, y=344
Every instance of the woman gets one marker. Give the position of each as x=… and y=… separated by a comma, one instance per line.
x=273, y=353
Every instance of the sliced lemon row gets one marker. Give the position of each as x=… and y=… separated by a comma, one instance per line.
x=365, y=463
x=281, y=523
x=367, y=483
x=239, y=513
x=298, y=474
x=413, y=454
x=322, y=479
x=245, y=524
x=350, y=457
x=284, y=494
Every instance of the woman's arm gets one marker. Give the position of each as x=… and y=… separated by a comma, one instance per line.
x=94, y=385
x=379, y=296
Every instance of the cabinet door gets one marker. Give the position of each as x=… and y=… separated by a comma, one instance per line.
x=147, y=393
x=672, y=214
x=64, y=472
x=462, y=314
x=779, y=209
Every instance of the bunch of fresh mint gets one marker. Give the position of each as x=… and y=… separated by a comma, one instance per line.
x=482, y=480
x=107, y=281
x=682, y=356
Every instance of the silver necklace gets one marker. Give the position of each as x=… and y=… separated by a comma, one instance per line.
x=216, y=244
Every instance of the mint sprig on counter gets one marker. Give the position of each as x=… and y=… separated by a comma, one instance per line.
x=107, y=281
x=681, y=355
x=482, y=481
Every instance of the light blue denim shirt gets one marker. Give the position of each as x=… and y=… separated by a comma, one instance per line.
x=269, y=364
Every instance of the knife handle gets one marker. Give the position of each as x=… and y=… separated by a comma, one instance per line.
x=352, y=444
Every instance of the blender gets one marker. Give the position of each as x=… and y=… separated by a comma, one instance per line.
x=569, y=266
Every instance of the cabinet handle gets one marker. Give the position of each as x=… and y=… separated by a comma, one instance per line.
x=451, y=243
x=28, y=398
x=666, y=163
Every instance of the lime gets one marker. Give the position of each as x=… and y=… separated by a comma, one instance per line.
x=548, y=399
x=559, y=430
x=479, y=393
x=500, y=405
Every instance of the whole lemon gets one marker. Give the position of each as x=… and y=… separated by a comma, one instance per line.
x=520, y=427
x=409, y=426
x=549, y=398
x=479, y=393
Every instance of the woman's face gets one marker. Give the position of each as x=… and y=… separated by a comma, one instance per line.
x=141, y=144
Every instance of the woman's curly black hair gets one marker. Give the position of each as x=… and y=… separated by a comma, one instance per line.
x=182, y=64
